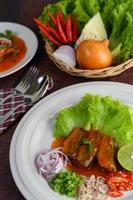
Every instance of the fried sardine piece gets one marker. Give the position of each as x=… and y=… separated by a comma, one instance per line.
x=88, y=150
x=106, y=153
x=72, y=143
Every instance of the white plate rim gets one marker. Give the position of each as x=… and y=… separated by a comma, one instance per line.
x=19, y=182
x=33, y=50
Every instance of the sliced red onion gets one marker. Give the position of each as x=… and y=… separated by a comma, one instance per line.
x=51, y=162
x=5, y=42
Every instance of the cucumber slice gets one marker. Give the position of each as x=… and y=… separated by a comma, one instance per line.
x=94, y=29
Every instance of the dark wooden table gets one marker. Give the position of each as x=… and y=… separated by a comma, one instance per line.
x=23, y=11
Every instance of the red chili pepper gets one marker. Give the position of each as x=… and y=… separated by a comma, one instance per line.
x=60, y=30
x=61, y=17
x=52, y=30
x=40, y=24
x=48, y=28
x=130, y=176
x=115, y=193
x=75, y=29
x=44, y=31
x=53, y=19
x=69, y=29
x=118, y=182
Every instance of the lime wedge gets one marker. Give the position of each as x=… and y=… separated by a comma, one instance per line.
x=125, y=157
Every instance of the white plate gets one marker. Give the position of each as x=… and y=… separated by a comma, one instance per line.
x=34, y=133
x=30, y=40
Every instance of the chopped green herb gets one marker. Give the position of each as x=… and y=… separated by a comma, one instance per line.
x=3, y=47
x=88, y=143
x=7, y=34
x=66, y=183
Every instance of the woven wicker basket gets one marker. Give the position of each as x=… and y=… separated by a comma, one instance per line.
x=99, y=73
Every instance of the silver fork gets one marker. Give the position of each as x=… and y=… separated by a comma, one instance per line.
x=33, y=96
x=24, y=83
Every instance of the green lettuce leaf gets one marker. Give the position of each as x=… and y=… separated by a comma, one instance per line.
x=117, y=16
x=108, y=116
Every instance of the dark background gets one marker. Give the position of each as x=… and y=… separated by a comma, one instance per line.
x=23, y=11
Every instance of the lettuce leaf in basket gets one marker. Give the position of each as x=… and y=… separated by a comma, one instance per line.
x=75, y=7
x=109, y=116
x=117, y=16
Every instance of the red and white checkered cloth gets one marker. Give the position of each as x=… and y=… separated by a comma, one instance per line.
x=16, y=100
